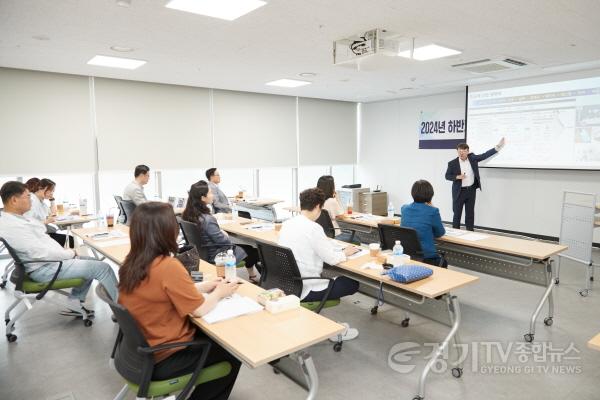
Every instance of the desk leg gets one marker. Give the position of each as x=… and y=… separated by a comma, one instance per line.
x=454, y=311
x=288, y=366
x=310, y=373
x=548, y=295
x=68, y=235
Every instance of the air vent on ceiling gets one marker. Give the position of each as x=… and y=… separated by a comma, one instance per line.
x=487, y=66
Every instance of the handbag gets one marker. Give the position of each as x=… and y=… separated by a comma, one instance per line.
x=189, y=257
x=409, y=273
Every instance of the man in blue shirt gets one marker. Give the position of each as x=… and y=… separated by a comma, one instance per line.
x=423, y=217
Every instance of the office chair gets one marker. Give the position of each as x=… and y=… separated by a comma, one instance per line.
x=122, y=216
x=11, y=264
x=409, y=239
x=128, y=208
x=325, y=221
x=193, y=236
x=280, y=270
x=133, y=359
x=28, y=291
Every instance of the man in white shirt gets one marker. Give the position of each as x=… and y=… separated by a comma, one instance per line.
x=135, y=190
x=29, y=240
x=463, y=171
x=312, y=248
x=220, y=202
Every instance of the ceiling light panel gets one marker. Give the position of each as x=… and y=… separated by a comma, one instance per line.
x=288, y=83
x=429, y=52
x=223, y=9
x=116, y=62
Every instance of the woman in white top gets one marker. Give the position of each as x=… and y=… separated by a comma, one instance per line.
x=332, y=205
x=39, y=192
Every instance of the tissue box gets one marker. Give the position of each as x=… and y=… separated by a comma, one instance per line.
x=271, y=294
x=282, y=304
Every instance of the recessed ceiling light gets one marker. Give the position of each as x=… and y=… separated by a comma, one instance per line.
x=223, y=9
x=307, y=74
x=121, y=49
x=289, y=83
x=429, y=52
x=124, y=3
x=116, y=62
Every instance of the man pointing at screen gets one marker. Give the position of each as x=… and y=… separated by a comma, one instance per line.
x=463, y=171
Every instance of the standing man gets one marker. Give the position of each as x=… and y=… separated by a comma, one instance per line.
x=463, y=171
x=220, y=203
x=135, y=190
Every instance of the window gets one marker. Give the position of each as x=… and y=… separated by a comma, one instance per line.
x=234, y=180
x=70, y=188
x=343, y=174
x=308, y=176
x=276, y=183
x=177, y=182
x=113, y=182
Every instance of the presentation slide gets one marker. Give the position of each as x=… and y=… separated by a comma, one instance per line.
x=551, y=125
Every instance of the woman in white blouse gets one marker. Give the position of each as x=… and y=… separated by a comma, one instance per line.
x=39, y=192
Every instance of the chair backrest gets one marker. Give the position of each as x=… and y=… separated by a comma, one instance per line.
x=128, y=208
x=325, y=221
x=130, y=363
x=279, y=268
x=388, y=234
x=118, y=200
x=193, y=236
x=18, y=275
x=244, y=214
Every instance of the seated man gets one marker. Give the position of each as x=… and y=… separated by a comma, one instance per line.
x=135, y=190
x=423, y=217
x=220, y=203
x=312, y=248
x=29, y=240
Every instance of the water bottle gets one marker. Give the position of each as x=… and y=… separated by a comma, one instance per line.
x=390, y=210
x=234, y=211
x=230, y=265
x=397, y=253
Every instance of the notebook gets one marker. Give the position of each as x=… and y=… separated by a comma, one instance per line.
x=232, y=307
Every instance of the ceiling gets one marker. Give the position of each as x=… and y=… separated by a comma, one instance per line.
x=286, y=38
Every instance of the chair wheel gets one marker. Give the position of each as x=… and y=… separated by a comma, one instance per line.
x=11, y=338
x=276, y=371
x=87, y=322
x=417, y=398
x=557, y=281
x=337, y=347
x=6, y=321
x=584, y=292
x=548, y=321
x=374, y=310
x=457, y=372
x=404, y=322
x=528, y=337
x=592, y=278
x=3, y=284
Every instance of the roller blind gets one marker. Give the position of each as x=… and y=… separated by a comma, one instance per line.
x=254, y=130
x=162, y=126
x=45, y=123
x=327, y=132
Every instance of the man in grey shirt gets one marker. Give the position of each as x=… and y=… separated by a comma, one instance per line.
x=220, y=203
x=135, y=190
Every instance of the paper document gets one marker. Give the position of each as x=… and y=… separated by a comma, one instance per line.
x=372, y=265
x=472, y=237
x=232, y=307
x=455, y=232
x=360, y=253
x=261, y=227
x=116, y=242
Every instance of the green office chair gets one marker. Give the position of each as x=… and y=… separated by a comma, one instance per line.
x=133, y=358
x=280, y=271
x=28, y=291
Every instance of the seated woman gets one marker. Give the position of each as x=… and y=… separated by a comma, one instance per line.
x=214, y=239
x=159, y=293
x=423, y=217
x=311, y=249
x=40, y=190
x=332, y=205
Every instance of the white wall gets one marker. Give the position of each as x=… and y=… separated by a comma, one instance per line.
x=520, y=200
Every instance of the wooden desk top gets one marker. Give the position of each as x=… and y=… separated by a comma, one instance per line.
x=367, y=219
x=236, y=228
x=74, y=220
x=259, y=202
x=514, y=246
x=259, y=338
x=594, y=342
x=441, y=282
x=254, y=339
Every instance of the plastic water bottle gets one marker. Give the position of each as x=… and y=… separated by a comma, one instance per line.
x=230, y=265
x=234, y=211
x=397, y=253
x=390, y=210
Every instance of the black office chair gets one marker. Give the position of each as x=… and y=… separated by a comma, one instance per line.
x=28, y=291
x=193, y=236
x=9, y=266
x=244, y=214
x=408, y=238
x=134, y=359
x=118, y=200
x=325, y=221
x=280, y=270
x=128, y=209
